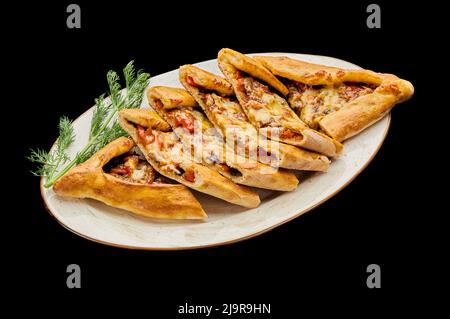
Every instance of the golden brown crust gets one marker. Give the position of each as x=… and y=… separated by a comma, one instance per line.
x=218, y=156
x=206, y=180
x=296, y=158
x=151, y=119
x=315, y=74
x=205, y=80
x=356, y=115
x=88, y=180
x=251, y=67
x=285, y=156
x=284, y=118
x=169, y=98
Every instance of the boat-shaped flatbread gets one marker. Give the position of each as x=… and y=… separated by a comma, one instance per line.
x=255, y=88
x=216, y=97
x=125, y=180
x=339, y=102
x=165, y=152
x=206, y=144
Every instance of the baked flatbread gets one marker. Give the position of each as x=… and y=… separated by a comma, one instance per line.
x=339, y=102
x=216, y=97
x=130, y=183
x=166, y=154
x=200, y=137
x=268, y=111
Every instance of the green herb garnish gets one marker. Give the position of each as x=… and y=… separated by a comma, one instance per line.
x=104, y=126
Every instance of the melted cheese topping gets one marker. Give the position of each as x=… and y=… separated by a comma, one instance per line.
x=266, y=108
x=139, y=174
x=133, y=170
x=313, y=103
x=235, y=127
x=203, y=142
x=167, y=151
x=164, y=149
x=225, y=111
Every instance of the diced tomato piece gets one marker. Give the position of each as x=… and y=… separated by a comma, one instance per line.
x=191, y=81
x=189, y=176
x=159, y=104
x=121, y=170
x=145, y=136
x=141, y=132
x=149, y=137
x=185, y=123
x=148, y=132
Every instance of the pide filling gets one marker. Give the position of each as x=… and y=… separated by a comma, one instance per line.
x=225, y=109
x=228, y=112
x=134, y=169
x=240, y=132
x=312, y=103
x=182, y=119
x=164, y=147
x=212, y=146
x=267, y=108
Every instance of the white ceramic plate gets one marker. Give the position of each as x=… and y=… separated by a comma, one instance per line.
x=226, y=223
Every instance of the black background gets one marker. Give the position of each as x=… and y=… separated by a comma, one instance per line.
x=382, y=217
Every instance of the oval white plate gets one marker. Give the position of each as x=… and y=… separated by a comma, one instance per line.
x=226, y=223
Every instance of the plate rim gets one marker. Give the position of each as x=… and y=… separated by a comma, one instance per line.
x=231, y=241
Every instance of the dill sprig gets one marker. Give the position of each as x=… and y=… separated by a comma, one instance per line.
x=48, y=162
x=104, y=127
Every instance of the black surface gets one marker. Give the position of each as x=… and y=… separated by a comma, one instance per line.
x=382, y=217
